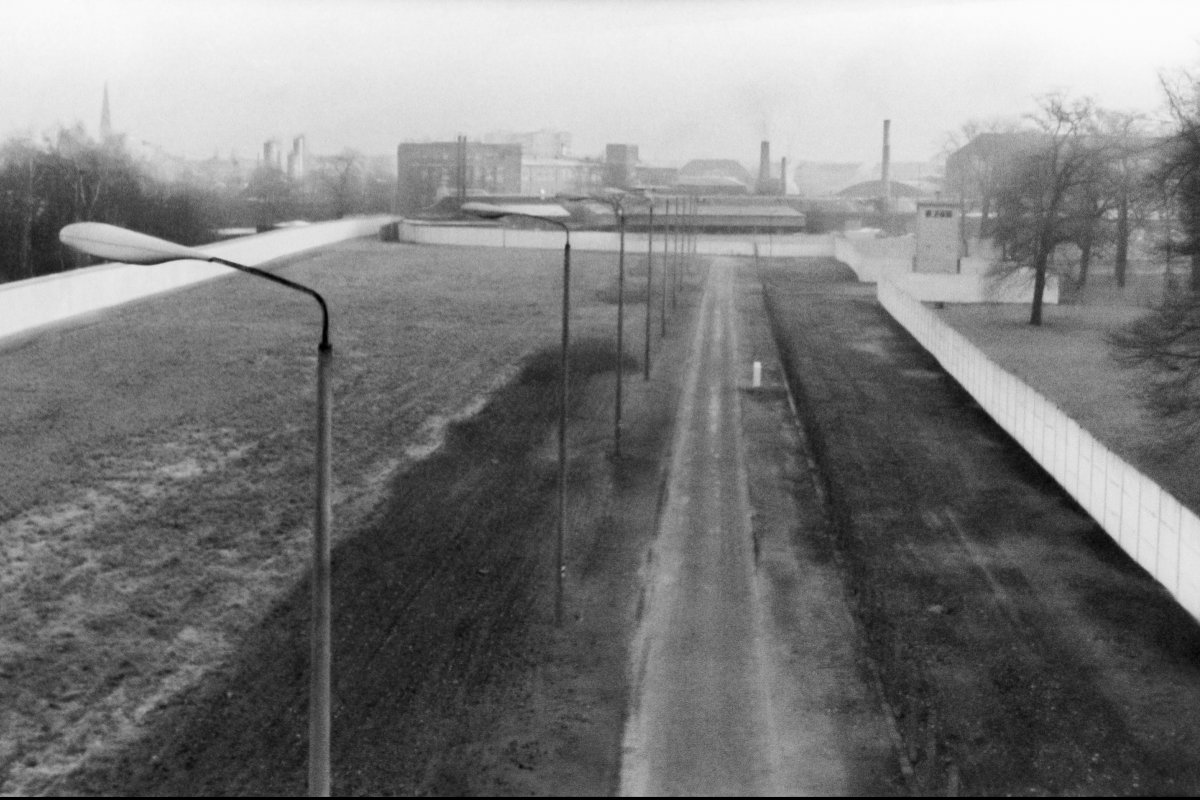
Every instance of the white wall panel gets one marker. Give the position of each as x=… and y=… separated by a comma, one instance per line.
x=1143, y=518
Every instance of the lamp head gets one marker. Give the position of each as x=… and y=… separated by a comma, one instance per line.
x=491, y=211
x=119, y=244
x=484, y=210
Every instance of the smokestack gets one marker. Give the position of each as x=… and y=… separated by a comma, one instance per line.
x=783, y=176
x=887, y=157
x=764, y=166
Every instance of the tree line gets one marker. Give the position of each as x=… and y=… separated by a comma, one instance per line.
x=1091, y=178
x=1075, y=174
x=69, y=176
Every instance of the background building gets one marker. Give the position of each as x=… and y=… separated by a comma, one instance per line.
x=272, y=154
x=543, y=144
x=620, y=165
x=428, y=171
x=714, y=176
x=660, y=177
x=547, y=177
x=296, y=159
x=824, y=179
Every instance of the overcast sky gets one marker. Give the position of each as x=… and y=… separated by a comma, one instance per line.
x=679, y=78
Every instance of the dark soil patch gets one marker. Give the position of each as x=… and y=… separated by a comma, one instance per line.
x=449, y=675
x=441, y=612
x=989, y=601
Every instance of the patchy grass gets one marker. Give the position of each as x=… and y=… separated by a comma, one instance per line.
x=1068, y=359
x=158, y=465
x=635, y=280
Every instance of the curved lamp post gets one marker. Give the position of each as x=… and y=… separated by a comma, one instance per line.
x=616, y=202
x=490, y=211
x=649, y=288
x=119, y=244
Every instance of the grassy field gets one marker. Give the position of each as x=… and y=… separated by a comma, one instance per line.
x=1068, y=359
x=157, y=463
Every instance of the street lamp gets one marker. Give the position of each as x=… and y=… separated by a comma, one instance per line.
x=616, y=202
x=649, y=288
x=119, y=244
x=490, y=211
x=666, y=265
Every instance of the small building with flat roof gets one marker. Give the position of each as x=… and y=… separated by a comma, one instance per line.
x=939, y=237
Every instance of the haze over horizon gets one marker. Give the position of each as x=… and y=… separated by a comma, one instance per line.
x=681, y=79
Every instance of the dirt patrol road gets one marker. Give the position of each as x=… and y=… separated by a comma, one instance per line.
x=731, y=697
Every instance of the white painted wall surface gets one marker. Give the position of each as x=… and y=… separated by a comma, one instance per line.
x=1149, y=524
x=871, y=257
x=792, y=246
x=973, y=287
x=28, y=304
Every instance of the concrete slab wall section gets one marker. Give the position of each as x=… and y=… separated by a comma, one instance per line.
x=28, y=304
x=875, y=259
x=792, y=246
x=1015, y=287
x=871, y=257
x=1149, y=524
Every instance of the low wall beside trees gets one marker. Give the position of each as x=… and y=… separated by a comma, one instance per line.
x=872, y=256
x=875, y=259
x=1149, y=524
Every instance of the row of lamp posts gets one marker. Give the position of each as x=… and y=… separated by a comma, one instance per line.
x=118, y=244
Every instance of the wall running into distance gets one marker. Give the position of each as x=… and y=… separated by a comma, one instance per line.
x=29, y=304
x=798, y=245
x=1149, y=524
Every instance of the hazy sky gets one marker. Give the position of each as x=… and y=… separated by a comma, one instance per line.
x=679, y=78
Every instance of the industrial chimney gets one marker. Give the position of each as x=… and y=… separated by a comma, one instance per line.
x=887, y=157
x=783, y=176
x=764, y=167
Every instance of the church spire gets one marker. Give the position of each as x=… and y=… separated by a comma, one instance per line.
x=105, y=118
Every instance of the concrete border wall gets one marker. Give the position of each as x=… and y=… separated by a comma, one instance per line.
x=803, y=245
x=31, y=303
x=871, y=257
x=875, y=259
x=792, y=246
x=1015, y=287
x=1149, y=524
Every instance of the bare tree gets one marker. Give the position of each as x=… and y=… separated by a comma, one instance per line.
x=1177, y=174
x=271, y=194
x=1088, y=207
x=1128, y=150
x=977, y=156
x=1166, y=342
x=70, y=178
x=341, y=177
x=1039, y=199
x=22, y=201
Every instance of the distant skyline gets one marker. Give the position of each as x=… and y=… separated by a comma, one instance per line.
x=681, y=79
